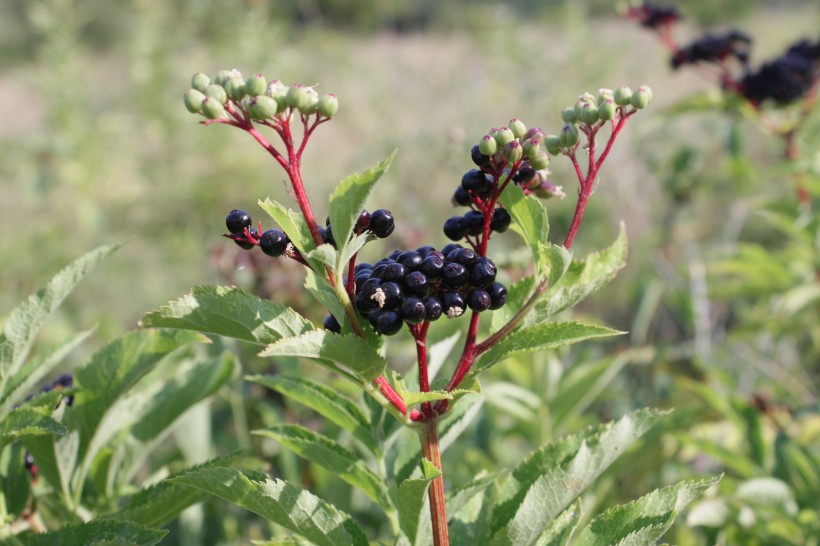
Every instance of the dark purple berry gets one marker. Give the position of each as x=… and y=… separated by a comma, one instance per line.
x=410, y=259
x=432, y=308
x=273, y=242
x=362, y=222
x=412, y=310
x=361, y=278
x=478, y=158
x=393, y=255
x=475, y=222
x=461, y=197
x=369, y=288
x=448, y=248
x=327, y=236
x=381, y=223
x=237, y=220
x=386, y=322
x=393, y=294
x=464, y=256
x=523, y=175
x=362, y=266
x=378, y=271
x=455, y=275
x=483, y=273
x=394, y=272
x=332, y=325
x=452, y=304
x=500, y=221
x=455, y=228
x=478, y=300
x=475, y=181
x=365, y=305
x=425, y=251
x=498, y=295
x=432, y=266
x=416, y=283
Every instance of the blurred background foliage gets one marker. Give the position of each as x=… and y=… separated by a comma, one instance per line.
x=720, y=296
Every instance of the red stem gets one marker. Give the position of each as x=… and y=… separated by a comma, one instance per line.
x=419, y=332
x=438, y=509
x=390, y=393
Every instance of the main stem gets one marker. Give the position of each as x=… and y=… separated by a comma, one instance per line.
x=438, y=510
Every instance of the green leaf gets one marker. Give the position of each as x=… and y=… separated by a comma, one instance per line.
x=322, y=292
x=545, y=483
x=160, y=504
x=349, y=198
x=292, y=223
x=323, y=255
x=332, y=456
x=325, y=401
x=644, y=521
x=121, y=533
x=27, y=421
x=410, y=499
x=562, y=527
x=15, y=482
x=545, y=335
x=349, y=351
x=469, y=511
x=280, y=502
x=581, y=279
x=26, y=320
x=531, y=223
x=230, y=312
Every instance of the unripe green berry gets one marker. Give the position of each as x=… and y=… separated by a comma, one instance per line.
x=535, y=133
x=200, y=82
x=328, y=105
x=488, y=145
x=588, y=113
x=256, y=85
x=222, y=77
x=541, y=161
x=262, y=107
x=531, y=147
x=641, y=97
x=517, y=127
x=217, y=92
x=568, y=115
x=604, y=95
x=193, y=101
x=502, y=136
x=513, y=151
x=607, y=109
x=302, y=98
x=212, y=108
x=569, y=136
x=553, y=144
x=279, y=92
x=622, y=96
x=236, y=89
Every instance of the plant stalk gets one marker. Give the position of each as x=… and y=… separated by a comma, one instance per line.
x=435, y=493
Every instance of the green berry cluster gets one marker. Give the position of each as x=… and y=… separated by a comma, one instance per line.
x=254, y=96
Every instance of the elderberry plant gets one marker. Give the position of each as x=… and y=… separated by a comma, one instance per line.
x=409, y=290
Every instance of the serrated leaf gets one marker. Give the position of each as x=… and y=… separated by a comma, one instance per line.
x=324, y=255
x=644, y=521
x=410, y=499
x=327, y=402
x=160, y=504
x=322, y=292
x=280, y=502
x=350, y=351
x=332, y=456
x=546, y=335
x=349, y=198
x=562, y=527
x=292, y=223
x=582, y=278
x=545, y=483
x=25, y=421
x=517, y=295
x=231, y=312
x=99, y=533
x=469, y=511
x=530, y=221
x=26, y=320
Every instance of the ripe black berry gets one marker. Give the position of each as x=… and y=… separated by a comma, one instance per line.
x=412, y=310
x=386, y=322
x=498, y=295
x=327, y=236
x=416, y=283
x=365, y=305
x=448, y=248
x=464, y=256
x=425, y=251
x=478, y=299
x=501, y=220
x=432, y=266
x=393, y=294
x=452, y=304
x=475, y=181
x=273, y=242
x=237, y=220
x=394, y=272
x=475, y=222
x=410, y=259
x=461, y=197
x=455, y=228
x=362, y=266
x=381, y=223
x=369, y=288
x=524, y=174
x=332, y=325
x=455, y=275
x=432, y=308
x=478, y=158
x=483, y=273
x=362, y=222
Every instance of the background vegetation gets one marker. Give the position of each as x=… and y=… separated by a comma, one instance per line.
x=96, y=148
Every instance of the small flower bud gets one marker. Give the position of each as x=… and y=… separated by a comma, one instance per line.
x=641, y=97
x=328, y=105
x=217, y=92
x=548, y=190
x=541, y=161
x=569, y=136
x=212, y=108
x=607, y=109
x=568, y=115
x=517, y=127
x=531, y=147
x=262, y=107
x=235, y=88
x=622, y=96
x=553, y=144
x=200, y=82
x=193, y=101
x=488, y=145
x=256, y=85
x=502, y=135
x=513, y=151
x=535, y=133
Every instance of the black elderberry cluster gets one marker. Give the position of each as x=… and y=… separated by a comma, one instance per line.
x=424, y=284
x=474, y=184
x=786, y=78
x=714, y=48
x=274, y=242
x=654, y=16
